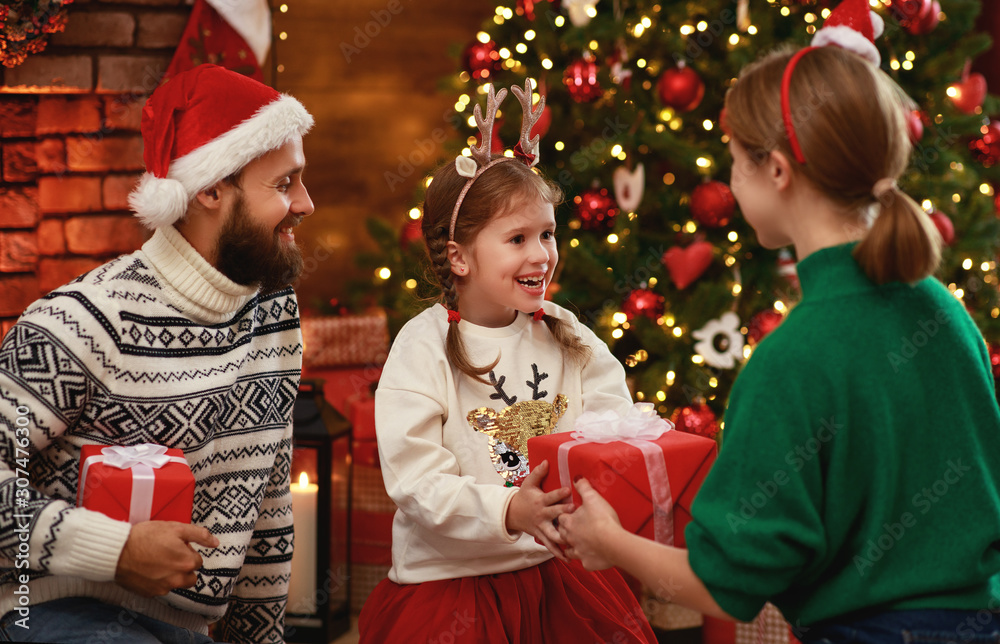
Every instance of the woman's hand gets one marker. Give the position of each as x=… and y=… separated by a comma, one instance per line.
x=532, y=510
x=590, y=528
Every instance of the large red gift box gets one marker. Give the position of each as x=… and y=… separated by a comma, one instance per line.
x=617, y=470
x=136, y=483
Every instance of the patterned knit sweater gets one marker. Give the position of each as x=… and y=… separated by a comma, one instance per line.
x=158, y=347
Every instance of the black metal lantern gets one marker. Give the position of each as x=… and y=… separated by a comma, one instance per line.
x=319, y=595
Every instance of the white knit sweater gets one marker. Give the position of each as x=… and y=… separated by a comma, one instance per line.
x=443, y=470
x=158, y=347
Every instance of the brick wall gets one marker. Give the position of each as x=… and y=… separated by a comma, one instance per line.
x=70, y=149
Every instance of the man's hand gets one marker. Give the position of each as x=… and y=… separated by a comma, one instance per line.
x=590, y=528
x=158, y=557
x=532, y=510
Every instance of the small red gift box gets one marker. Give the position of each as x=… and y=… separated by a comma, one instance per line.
x=136, y=483
x=618, y=470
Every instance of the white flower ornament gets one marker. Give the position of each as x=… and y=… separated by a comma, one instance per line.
x=730, y=347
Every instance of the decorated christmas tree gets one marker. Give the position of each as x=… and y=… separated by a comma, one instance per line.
x=654, y=254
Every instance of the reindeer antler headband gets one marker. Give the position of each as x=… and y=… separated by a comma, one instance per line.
x=526, y=149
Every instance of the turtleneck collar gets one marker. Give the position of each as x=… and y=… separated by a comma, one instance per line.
x=194, y=286
x=832, y=272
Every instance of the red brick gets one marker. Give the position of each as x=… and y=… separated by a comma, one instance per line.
x=53, y=273
x=18, y=116
x=5, y=326
x=116, y=190
x=19, y=161
x=51, y=238
x=123, y=112
x=68, y=114
x=101, y=154
x=97, y=29
x=103, y=235
x=69, y=194
x=18, y=252
x=63, y=74
x=138, y=75
x=50, y=155
x=19, y=207
x=159, y=30
x=17, y=292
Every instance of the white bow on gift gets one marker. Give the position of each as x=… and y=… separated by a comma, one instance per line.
x=639, y=426
x=640, y=422
x=125, y=458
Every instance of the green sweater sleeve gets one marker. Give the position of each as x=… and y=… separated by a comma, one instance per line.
x=757, y=518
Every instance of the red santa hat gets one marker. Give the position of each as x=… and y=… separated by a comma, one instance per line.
x=202, y=126
x=852, y=26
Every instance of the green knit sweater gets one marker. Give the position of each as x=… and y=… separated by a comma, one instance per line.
x=861, y=461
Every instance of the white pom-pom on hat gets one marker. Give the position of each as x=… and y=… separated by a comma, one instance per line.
x=852, y=26
x=158, y=202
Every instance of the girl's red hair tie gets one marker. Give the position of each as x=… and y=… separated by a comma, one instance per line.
x=538, y=315
x=454, y=316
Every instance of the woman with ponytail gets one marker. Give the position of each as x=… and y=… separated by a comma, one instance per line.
x=476, y=556
x=858, y=484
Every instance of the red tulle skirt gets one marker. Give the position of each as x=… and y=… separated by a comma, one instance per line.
x=552, y=603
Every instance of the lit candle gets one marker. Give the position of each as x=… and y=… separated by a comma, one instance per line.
x=302, y=587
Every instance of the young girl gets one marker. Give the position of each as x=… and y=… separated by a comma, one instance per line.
x=858, y=487
x=475, y=555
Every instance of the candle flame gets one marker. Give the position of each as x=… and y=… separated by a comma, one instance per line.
x=303, y=480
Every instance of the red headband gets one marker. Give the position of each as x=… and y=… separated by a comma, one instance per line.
x=786, y=104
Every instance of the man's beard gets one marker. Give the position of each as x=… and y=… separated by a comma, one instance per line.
x=253, y=255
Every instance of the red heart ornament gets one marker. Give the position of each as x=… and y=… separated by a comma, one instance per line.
x=969, y=93
x=685, y=265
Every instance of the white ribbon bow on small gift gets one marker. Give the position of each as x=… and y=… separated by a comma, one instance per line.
x=639, y=426
x=141, y=460
x=124, y=458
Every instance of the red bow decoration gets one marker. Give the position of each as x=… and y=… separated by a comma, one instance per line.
x=522, y=155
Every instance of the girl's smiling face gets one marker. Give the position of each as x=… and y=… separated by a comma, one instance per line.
x=508, y=266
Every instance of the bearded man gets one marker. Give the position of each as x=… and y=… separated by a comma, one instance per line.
x=191, y=342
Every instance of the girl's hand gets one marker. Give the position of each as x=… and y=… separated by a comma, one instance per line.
x=532, y=510
x=590, y=528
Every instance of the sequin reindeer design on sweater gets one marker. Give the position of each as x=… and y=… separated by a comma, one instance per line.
x=510, y=429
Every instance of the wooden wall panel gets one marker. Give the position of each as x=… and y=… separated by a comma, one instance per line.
x=381, y=104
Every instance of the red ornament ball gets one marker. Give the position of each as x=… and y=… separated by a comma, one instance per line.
x=712, y=204
x=643, y=302
x=995, y=358
x=696, y=419
x=596, y=209
x=944, y=226
x=762, y=324
x=915, y=126
x=580, y=79
x=918, y=17
x=681, y=88
x=987, y=149
x=481, y=60
x=411, y=233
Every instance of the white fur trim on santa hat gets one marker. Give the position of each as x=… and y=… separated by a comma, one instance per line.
x=162, y=202
x=849, y=39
